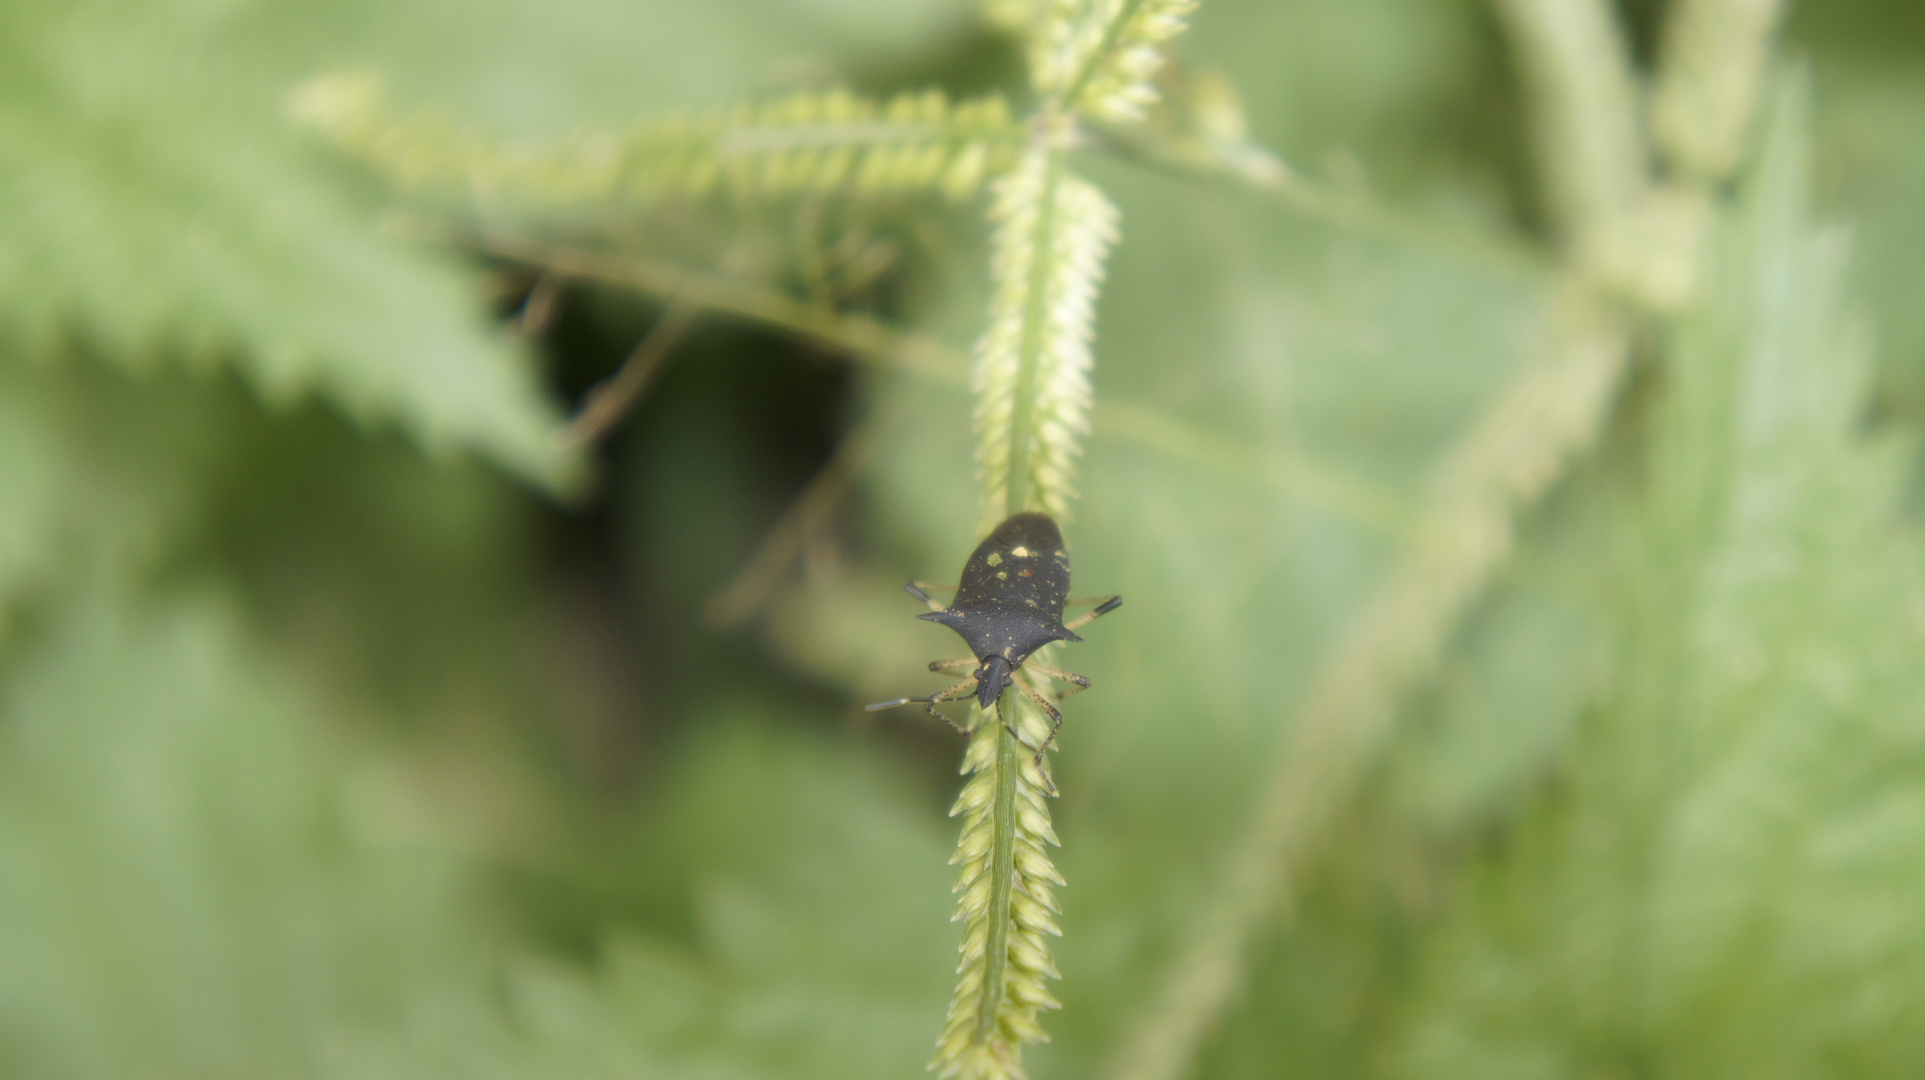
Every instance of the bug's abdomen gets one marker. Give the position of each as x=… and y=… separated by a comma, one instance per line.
x=1022, y=565
x=1010, y=600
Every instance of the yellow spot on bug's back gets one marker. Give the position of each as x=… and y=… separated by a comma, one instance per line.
x=995, y=558
x=1062, y=554
x=1019, y=551
x=1002, y=575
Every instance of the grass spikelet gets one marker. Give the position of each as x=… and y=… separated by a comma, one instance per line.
x=1032, y=378
x=1005, y=902
x=1099, y=58
x=1120, y=83
x=824, y=141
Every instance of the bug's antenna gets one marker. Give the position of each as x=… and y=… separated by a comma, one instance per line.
x=955, y=693
x=915, y=590
x=1103, y=609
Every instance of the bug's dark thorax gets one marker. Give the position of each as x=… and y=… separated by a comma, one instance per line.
x=1010, y=600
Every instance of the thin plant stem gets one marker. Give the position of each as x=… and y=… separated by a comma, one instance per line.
x=1510, y=457
x=538, y=310
x=805, y=517
x=855, y=335
x=612, y=399
x=880, y=345
x=1251, y=168
x=1016, y=497
x=1002, y=871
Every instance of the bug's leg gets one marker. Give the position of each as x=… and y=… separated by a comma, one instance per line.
x=1055, y=716
x=1014, y=734
x=914, y=588
x=933, y=587
x=1051, y=784
x=967, y=687
x=951, y=667
x=1102, y=609
x=954, y=693
x=1078, y=683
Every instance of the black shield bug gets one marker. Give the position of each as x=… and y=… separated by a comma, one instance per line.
x=1009, y=604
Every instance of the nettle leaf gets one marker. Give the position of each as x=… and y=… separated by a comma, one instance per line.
x=161, y=206
x=102, y=470
x=1717, y=887
x=190, y=885
x=811, y=881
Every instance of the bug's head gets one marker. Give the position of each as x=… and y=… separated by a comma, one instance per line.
x=991, y=679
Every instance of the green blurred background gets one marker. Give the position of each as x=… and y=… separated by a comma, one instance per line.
x=349, y=729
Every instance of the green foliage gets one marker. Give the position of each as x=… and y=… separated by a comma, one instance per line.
x=1698, y=894
x=803, y=143
x=161, y=208
x=100, y=474
x=191, y=887
x=1518, y=674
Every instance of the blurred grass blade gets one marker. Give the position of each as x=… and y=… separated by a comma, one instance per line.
x=1716, y=56
x=1723, y=831
x=1521, y=446
x=1618, y=230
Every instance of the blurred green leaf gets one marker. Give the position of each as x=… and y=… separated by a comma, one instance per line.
x=161, y=209
x=1872, y=168
x=809, y=936
x=103, y=472
x=1713, y=888
x=163, y=205
x=188, y=884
